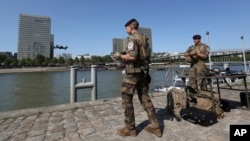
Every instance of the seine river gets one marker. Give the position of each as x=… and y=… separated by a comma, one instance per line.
x=37, y=89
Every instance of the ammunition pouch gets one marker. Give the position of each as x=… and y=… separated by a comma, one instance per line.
x=132, y=68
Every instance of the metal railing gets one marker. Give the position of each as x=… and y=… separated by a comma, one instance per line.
x=82, y=85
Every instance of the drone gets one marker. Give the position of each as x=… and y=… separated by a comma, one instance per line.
x=61, y=47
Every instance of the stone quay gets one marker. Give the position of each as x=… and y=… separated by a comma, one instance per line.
x=99, y=120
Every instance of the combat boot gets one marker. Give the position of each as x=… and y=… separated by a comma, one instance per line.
x=126, y=132
x=155, y=131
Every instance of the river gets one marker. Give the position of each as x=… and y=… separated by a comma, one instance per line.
x=37, y=89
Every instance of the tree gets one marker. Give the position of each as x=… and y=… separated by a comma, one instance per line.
x=7, y=62
x=70, y=61
x=22, y=62
x=29, y=62
x=54, y=61
x=107, y=58
x=61, y=61
x=39, y=59
x=76, y=60
x=14, y=62
x=2, y=58
x=96, y=59
x=82, y=60
x=46, y=61
x=87, y=62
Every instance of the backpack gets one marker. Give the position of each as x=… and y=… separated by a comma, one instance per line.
x=145, y=51
x=176, y=100
x=204, y=101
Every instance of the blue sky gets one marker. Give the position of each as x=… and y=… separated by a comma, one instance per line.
x=88, y=26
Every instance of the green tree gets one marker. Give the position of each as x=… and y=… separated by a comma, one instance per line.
x=2, y=58
x=61, y=61
x=46, y=61
x=96, y=59
x=39, y=59
x=107, y=58
x=70, y=61
x=54, y=61
x=29, y=62
x=22, y=62
x=14, y=62
x=87, y=62
x=76, y=61
x=7, y=62
x=82, y=60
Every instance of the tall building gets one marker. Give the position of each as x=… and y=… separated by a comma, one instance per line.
x=120, y=45
x=147, y=31
x=34, y=37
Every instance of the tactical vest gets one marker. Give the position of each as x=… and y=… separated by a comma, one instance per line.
x=138, y=65
x=203, y=48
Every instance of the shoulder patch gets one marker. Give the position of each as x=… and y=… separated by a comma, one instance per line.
x=130, y=46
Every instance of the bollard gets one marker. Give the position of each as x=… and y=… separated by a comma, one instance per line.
x=94, y=82
x=83, y=85
x=72, y=84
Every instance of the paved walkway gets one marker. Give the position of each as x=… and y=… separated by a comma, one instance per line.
x=99, y=120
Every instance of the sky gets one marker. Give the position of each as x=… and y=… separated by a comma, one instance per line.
x=89, y=26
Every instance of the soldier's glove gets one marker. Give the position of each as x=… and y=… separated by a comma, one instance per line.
x=117, y=55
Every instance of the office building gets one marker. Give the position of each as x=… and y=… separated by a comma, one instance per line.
x=7, y=54
x=120, y=44
x=34, y=37
x=147, y=31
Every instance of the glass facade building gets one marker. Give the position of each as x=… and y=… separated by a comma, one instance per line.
x=34, y=37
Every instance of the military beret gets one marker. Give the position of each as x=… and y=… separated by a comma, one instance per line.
x=130, y=21
x=197, y=37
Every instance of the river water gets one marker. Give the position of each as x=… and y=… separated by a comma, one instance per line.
x=37, y=89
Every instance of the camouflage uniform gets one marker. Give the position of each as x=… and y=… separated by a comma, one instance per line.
x=198, y=68
x=135, y=79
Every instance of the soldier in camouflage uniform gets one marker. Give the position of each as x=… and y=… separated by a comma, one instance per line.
x=135, y=79
x=197, y=55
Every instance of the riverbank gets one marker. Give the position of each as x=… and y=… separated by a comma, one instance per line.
x=50, y=69
x=100, y=119
x=35, y=69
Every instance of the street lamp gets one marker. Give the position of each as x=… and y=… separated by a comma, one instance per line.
x=244, y=57
x=209, y=55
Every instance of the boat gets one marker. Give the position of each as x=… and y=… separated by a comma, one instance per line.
x=123, y=71
x=178, y=83
x=176, y=80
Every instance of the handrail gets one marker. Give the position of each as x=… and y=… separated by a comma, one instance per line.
x=82, y=85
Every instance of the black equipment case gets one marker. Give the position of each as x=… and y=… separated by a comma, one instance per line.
x=243, y=98
x=199, y=116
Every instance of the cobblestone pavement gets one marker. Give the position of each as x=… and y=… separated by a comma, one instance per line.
x=99, y=120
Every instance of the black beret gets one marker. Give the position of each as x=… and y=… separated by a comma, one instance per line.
x=130, y=21
x=197, y=37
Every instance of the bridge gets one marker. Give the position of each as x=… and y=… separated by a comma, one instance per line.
x=217, y=55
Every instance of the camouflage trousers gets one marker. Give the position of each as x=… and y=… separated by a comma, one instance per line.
x=129, y=84
x=198, y=70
